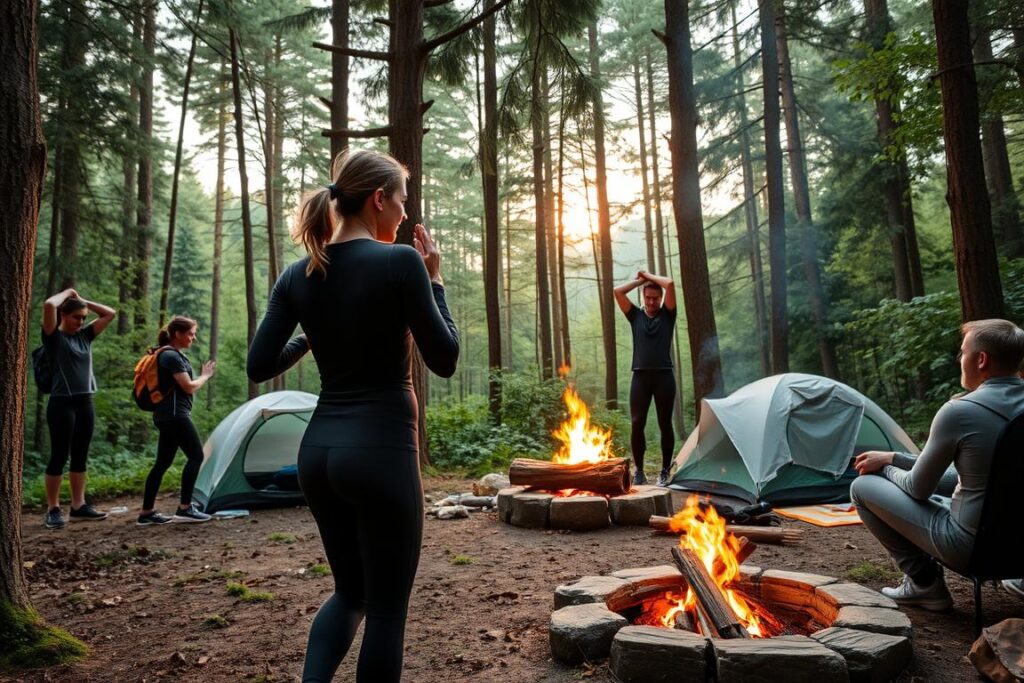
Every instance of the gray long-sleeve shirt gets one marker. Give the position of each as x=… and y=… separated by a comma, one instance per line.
x=964, y=432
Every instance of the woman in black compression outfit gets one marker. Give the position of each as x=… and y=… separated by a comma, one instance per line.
x=69, y=412
x=173, y=419
x=361, y=302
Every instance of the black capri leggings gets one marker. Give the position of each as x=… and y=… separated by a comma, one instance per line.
x=71, y=420
x=368, y=505
x=661, y=386
x=175, y=434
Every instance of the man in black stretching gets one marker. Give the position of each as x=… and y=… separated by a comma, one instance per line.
x=652, y=328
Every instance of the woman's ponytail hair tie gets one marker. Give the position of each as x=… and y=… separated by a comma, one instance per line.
x=333, y=189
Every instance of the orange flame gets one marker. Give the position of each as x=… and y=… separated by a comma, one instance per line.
x=580, y=441
x=704, y=532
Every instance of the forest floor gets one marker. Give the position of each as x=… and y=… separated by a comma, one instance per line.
x=153, y=605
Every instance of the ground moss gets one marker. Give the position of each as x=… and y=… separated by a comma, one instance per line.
x=28, y=643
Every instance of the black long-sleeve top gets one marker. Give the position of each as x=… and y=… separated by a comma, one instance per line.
x=360, y=321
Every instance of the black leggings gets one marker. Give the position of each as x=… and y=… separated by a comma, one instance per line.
x=368, y=505
x=175, y=434
x=71, y=420
x=661, y=386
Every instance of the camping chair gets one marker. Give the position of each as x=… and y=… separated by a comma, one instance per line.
x=997, y=551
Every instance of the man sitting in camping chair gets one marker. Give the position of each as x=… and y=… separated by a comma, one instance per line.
x=895, y=505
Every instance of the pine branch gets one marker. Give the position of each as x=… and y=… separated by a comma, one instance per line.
x=359, y=134
x=433, y=43
x=352, y=52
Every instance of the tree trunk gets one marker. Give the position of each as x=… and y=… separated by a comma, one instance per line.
x=540, y=225
x=563, y=299
x=129, y=167
x=280, y=382
x=72, y=60
x=243, y=176
x=977, y=270
x=604, y=229
x=144, y=208
x=218, y=231
x=39, y=425
x=339, y=75
x=489, y=173
x=802, y=200
x=508, y=279
x=750, y=205
x=774, y=190
x=269, y=170
x=648, y=228
x=165, y=288
x=1005, y=205
x=659, y=221
x=551, y=230
x=693, y=261
x=22, y=166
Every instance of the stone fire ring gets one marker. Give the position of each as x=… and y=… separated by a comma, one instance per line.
x=866, y=638
x=530, y=509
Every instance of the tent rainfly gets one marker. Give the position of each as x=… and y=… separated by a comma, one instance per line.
x=250, y=459
x=786, y=439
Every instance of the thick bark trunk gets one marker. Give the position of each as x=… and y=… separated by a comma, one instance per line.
x=218, y=233
x=144, y=208
x=686, y=204
x=604, y=229
x=659, y=220
x=508, y=280
x=165, y=287
x=648, y=227
x=243, y=176
x=1005, y=205
x=39, y=425
x=774, y=190
x=72, y=60
x=750, y=205
x=129, y=167
x=269, y=170
x=551, y=231
x=563, y=299
x=802, y=201
x=610, y=477
x=977, y=270
x=339, y=75
x=540, y=236
x=489, y=173
x=22, y=166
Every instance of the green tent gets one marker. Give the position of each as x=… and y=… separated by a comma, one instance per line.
x=249, y=460
x=785, y=439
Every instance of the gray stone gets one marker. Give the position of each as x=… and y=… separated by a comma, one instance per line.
x=832, y=598
x=648, y=573
x=471, y=501
x=583, y=632
x=662, y=498
x=749, y=580
x=633, y=509
x=647, y=654
x=870, y=657
x=505, y=497
x=530, y=510
x=795, y=659
x=579, y=513
x=453, y=512
x=491, y=484
x=873, y=619
x=792, y=590
x=586, y=590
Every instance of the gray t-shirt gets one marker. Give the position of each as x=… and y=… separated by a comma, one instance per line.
x=70, y=356
x=964, y=432
x=177, y=403
x=652, y=338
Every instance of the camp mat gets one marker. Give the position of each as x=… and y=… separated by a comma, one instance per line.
x=842, y=514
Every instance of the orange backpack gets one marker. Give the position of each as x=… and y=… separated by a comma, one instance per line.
x=147, y=390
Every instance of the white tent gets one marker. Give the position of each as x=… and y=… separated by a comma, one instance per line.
x=786, y=439
x=250, y=458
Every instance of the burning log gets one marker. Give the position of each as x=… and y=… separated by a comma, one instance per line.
x=608, y=477
x=721, y=618
x=772, y=535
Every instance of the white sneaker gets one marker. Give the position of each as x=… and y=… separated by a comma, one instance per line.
x=935, y=597
x=1014, y=586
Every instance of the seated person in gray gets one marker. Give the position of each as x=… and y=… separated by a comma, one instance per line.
x=894, y=502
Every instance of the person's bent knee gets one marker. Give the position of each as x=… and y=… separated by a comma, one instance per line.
x=869, y=490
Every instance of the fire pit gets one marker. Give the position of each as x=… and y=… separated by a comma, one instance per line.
x=584, y=486
x=657, y=623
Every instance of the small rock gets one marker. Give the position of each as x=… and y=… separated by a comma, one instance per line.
x=202, y=660
x=490, y=484
x=178, y=658
x=849, y=546
x=453, y=512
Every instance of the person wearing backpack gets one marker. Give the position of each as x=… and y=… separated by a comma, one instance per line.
x=172, y=417
x=70, y=415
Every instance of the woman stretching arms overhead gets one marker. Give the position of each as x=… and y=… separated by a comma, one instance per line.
x=362, y=302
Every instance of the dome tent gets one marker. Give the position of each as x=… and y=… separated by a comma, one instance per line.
x=786, y=439
x=250, y=458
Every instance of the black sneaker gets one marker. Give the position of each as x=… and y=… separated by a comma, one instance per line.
x=191, y=514
x=663, y=478
x=639, y=479
x=87, y=512
x=54, y=519
x=153, y=518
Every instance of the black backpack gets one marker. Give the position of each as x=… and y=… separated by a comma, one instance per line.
x=42, y=371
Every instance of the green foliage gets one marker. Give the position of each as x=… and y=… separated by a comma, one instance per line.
x=320, y=570
x=283, y=537
x=214, y=621
x=30, y=643
x=871, y=571
x=245, y=594
x=460, y=560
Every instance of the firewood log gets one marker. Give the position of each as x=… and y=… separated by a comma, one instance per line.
x=759, y=534
x=608, y=477
x=710, y=599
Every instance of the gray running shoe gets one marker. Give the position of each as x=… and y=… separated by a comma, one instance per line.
x=935, y=597
x=639, y=479
x=663, y=478
x=191, y=514
x=1014, y=586
x=87, y=512
x=153, y=519
x=54, y=519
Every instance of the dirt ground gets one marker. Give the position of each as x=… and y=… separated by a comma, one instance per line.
x=152, y=603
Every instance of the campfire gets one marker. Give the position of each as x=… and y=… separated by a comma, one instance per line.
x=582, y=485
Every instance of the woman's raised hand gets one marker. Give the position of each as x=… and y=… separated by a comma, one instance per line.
x=427, y=248
x=209, y=367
